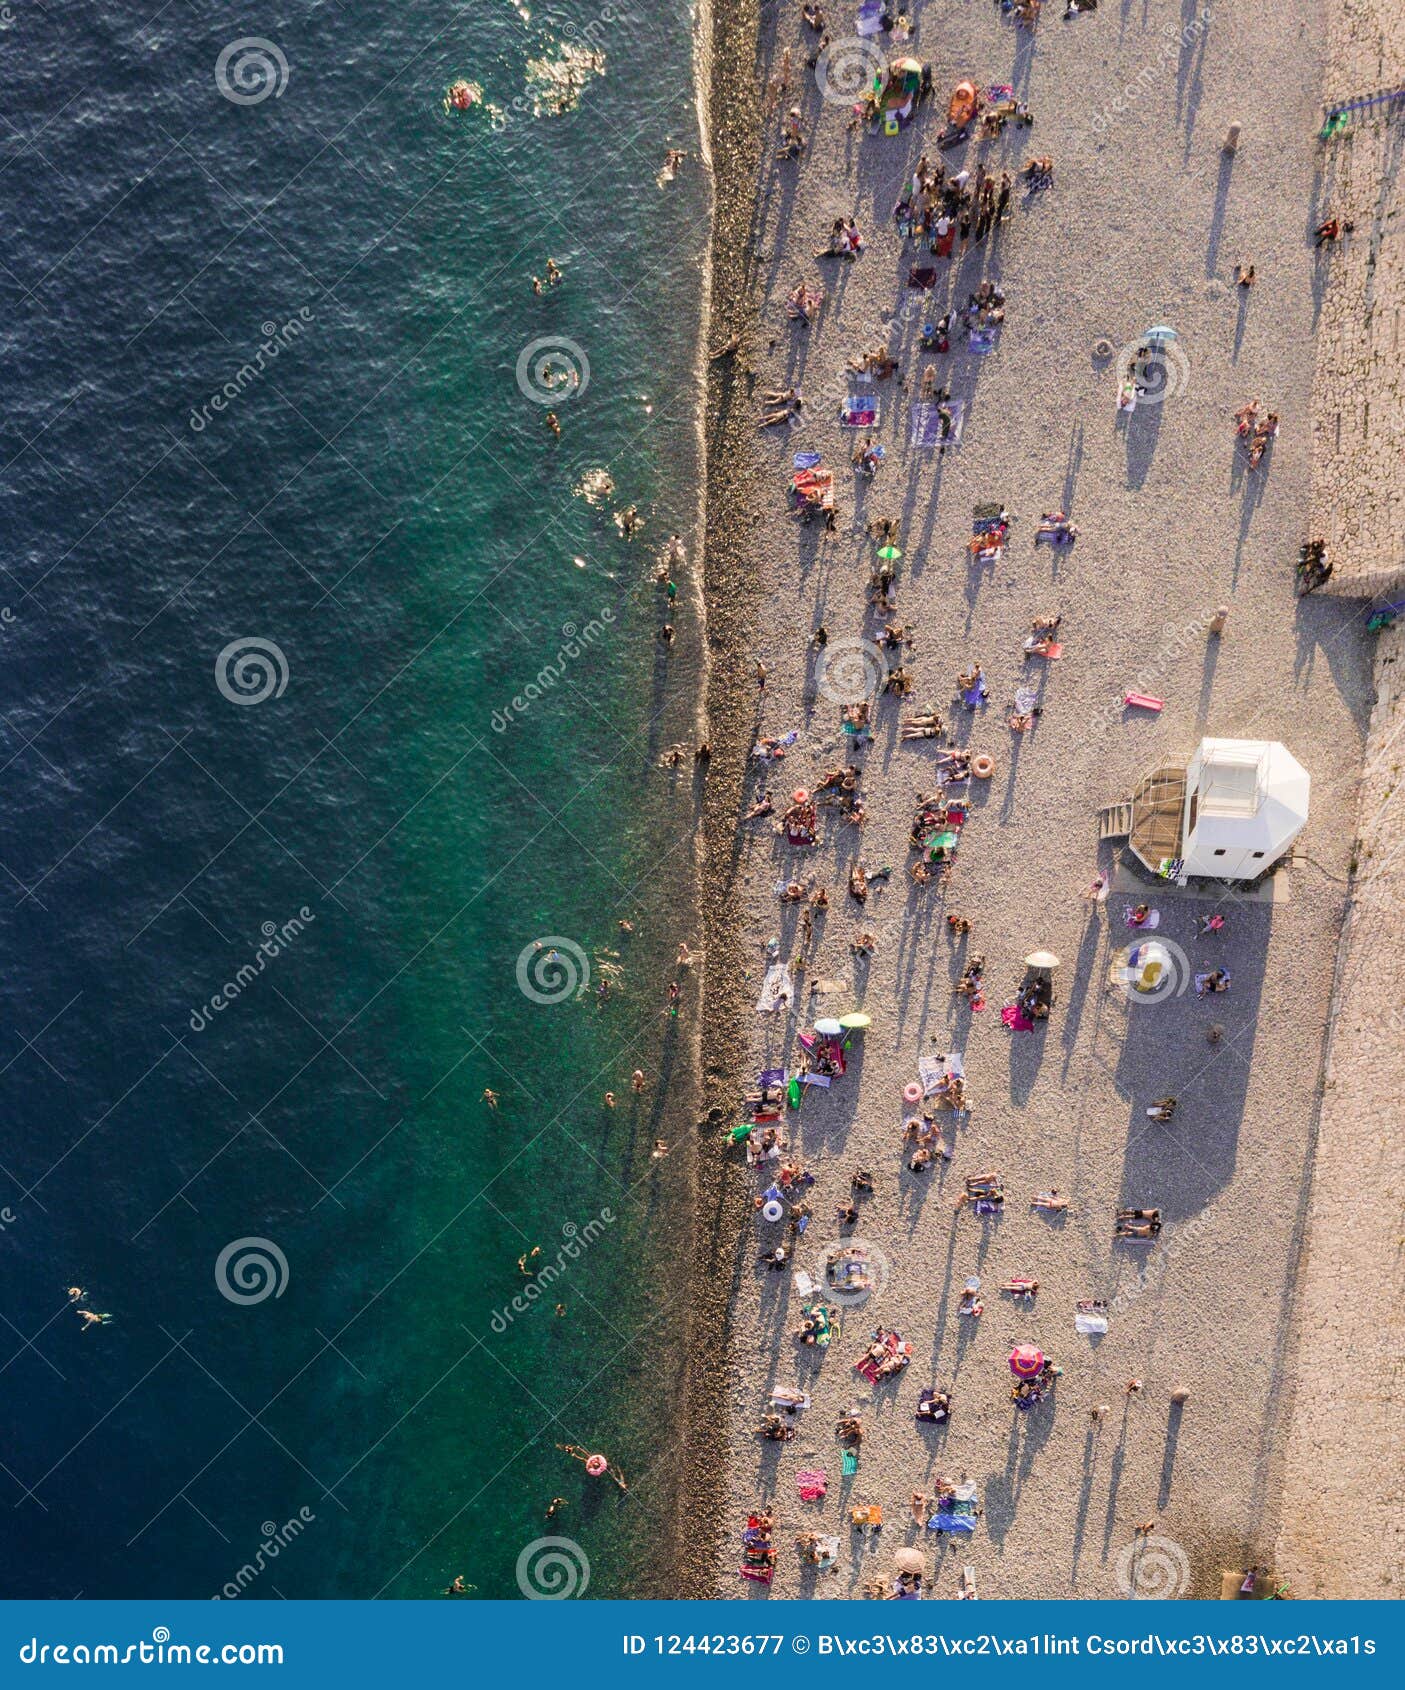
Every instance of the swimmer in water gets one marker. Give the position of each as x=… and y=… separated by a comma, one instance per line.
x=490, y=1097
x=89, y=1318
x=527, y=1257
x=553, y=422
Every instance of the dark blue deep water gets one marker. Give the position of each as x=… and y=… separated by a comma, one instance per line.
x=261, y=386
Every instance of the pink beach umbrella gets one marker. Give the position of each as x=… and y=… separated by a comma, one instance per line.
x=1026, y=1361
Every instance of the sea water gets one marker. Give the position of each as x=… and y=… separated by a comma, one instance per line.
x=333, y=717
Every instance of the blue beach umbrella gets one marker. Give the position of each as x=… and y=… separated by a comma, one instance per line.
x=1161, y=332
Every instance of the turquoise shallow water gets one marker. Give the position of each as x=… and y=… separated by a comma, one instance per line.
x=379, y=502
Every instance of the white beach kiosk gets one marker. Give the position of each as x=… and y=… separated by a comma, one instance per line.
x=1228, y=812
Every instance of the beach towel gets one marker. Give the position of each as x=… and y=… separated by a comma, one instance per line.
x=860, y=410
x=921, y=276
x=982, y=341
x=975, y=695
x=771, y=1077
x=1016, y=1019
x=926, y=427
x=956, y=1064
x=849, y=1463
x=943, y=244
x=867, y=1368
x=824, y=1080
x=806, y=460
x=778, y=988
x=956, y=1525
x=804, y=1285
x=1090, y=1325
x=762, y=1575
x=929, y=1071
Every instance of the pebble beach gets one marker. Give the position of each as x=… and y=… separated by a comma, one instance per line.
x=1144, y=222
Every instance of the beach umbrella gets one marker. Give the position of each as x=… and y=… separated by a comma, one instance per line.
x=909, y=1561
x=829, y=1027
x=1026, y=1361
x=855, y=1022
x=906, y=67
x=1041, y=959
x=800, y=796
x=890, y=552
x=1160, y=332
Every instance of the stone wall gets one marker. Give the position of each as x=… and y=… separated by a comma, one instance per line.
x=1342, y=1532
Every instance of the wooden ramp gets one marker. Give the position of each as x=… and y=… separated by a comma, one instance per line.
x=1115, y=820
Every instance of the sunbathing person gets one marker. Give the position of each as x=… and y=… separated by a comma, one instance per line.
x=1137, y=1223
x=772, y=1426
x=783, y=414
x=762, y=807
x=922, y=727
x=1051, y=1200
x=1162, y=1109
x=934, y=1405
x=858, y=883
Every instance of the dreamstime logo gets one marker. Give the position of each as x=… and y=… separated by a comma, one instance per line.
x=277, y=338
x=1153, y=970
x=846, y=70
x=852, y=1270
x=544, y=1276
x=275, y=1539
x=1155, y=72
x=250, y=670
x=1153, y=1567
x=575, y=640
x=552, y=369
x=551, y=970
x=276, y=939
x=251, y=1270
x=1162, y=371
x=1153, y=1274
x=553, y=1569
x=849, y=670
x=250, y=69
x=1175, y=646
